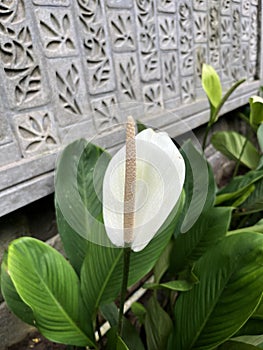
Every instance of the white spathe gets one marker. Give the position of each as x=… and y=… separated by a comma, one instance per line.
x=160, y=173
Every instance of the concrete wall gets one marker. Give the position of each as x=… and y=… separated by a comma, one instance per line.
x=78, y=68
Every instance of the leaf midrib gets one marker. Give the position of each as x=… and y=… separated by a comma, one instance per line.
x=70, y=321
x=104, y=285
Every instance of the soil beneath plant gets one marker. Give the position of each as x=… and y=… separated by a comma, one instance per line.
x=36, y=341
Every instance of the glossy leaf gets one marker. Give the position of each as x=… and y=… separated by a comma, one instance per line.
x=207, y=231
x=256, y=110
x=130, y=336
x=199, y=187
x=237, y=187
x=139, y=311
x=233, y=144
x=230, y=289
x=79, y=176
x=260, y=137
x=254, y=203
x=12, y=298
x=179, y=286
x=158, y=325
x=236, y=345
x=104, y=286
x=49, y=286
x=211, y=84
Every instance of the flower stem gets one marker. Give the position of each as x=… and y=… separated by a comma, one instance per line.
x=125, y=276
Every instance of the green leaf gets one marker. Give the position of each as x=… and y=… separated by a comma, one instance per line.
x=49, y=286
x=235, y=345
x=256, y=340
x=231, y=144
x=79, y=178
x=211, y=85
x=199, y=187
x=237, y=187
x=12, y=298
x=129, y=334
x=140, y=126
x=139, y=311
x=179, y=286
x=254, y=203
x=260, y=137
x=158, y=326
x=74, y=245
x=121, y=345
x=163, y=263
x=104, y=286
x=229, y=92
x=252, y=327
x=230, y=289
x=256, y=110
x=207, y=231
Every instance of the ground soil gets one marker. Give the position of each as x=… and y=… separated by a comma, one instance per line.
x=36, y=341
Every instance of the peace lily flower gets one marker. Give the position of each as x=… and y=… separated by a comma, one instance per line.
x=141, y=186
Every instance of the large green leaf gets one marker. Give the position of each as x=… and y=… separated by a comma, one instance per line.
x=230, y=288
x=129, y=333
x=256, y=110
x=254, y=202
x=236, y=345
x=49, y=286
x=199, y=187
x=209, y=228
x=104, y=286
x=211, y=84
x=12, y=298
x=260, y=136
x=79, y=177
x=75, y=246
x=233, y=144
x=158, y=325
x=239, y=185
x=88, y=164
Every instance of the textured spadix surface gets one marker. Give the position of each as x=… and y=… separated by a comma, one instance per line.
x=160, y=172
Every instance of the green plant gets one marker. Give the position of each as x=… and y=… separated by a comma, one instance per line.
x=207, y=286
x=213, y=89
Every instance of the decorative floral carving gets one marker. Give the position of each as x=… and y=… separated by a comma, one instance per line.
x=225, y=32
x=188, y=93
x=148, y=47
x=246, y=7
x=166, y=6
x=225, y=7
x=226, y=62
x=68, y=88
x=20, y=66
x=127, y=74
x=236, y=34
x=51, y=2
x=199, y=5
x=36, y=133
x=170, y=74
x=214, y=37
x=122, y=32
x=200, y=27
x=153, y=98
x=12, y=11
x=106, y=113
x=120, y=3
x=167, y=33
x=186, y=58
x=98, y=56
x=57, y=35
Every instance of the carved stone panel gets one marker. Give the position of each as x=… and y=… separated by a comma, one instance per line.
x=78, y=68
